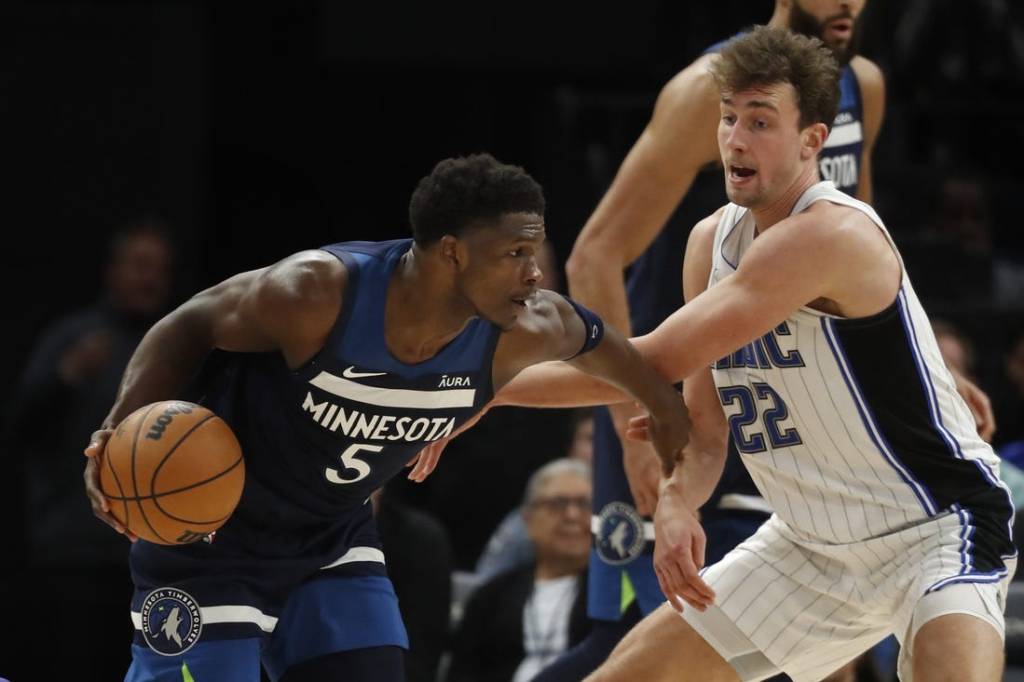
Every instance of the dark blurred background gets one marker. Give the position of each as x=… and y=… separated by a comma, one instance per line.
x=252, y=131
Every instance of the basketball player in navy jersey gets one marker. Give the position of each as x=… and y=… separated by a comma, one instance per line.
x=341, y=364
x=803, y=339
x=676, y=156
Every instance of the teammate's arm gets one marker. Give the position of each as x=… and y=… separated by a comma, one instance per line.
x=290, y=306
x=872, y=90
x=658, y=171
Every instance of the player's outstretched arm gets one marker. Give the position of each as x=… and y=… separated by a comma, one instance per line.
x=290, y=306
x=600, y=360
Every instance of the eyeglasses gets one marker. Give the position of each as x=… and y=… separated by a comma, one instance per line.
x=561, y=503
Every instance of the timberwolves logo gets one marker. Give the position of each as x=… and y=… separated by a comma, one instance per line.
x=620, y=534
x=170, y=621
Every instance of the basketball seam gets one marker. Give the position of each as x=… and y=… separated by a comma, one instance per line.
x=170, y=451
x=154, y=496
x=117, y=481
x=135, y=483
x=156, y=500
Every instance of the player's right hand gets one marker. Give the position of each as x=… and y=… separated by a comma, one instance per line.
x=93, y=461
x=679, y=554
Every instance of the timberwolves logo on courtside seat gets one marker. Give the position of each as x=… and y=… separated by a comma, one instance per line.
x=171, y=623
x=620, y=533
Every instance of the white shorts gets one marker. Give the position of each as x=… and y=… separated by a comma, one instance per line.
x=787, y=604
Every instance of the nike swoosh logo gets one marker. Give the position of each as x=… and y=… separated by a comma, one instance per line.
x=350, y=373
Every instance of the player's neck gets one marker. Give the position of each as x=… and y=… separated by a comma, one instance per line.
x=781, y=207
x=419, y=315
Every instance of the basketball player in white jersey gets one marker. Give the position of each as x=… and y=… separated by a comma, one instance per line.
x=889, y=513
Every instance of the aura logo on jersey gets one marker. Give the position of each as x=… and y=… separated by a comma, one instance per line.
x=171, y=621
x=619, y=533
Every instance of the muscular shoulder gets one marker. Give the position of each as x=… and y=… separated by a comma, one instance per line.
x=702, y=236
x=301, y=295
x=699, y=248
x=549, y=329
x=545, y=316
x=307, y=280
x=834, y=227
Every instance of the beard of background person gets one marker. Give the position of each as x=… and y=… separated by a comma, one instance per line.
x=803, y=22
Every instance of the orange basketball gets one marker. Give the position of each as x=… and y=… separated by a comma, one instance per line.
x=172, y=472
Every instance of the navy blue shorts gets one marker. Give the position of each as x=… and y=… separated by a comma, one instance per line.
x=328, y=614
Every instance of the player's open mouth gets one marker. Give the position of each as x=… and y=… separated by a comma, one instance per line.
x=740, y=173
x=520, y=301
x=840, y=28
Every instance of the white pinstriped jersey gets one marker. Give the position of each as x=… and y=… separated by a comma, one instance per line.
x=852, y=428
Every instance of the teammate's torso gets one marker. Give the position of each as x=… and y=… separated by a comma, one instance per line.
x=840, y=160
x=318, y=440
x=851, y=428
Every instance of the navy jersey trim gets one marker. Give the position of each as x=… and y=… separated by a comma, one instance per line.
x=894, y=395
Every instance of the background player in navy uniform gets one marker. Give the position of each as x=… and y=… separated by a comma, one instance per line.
x=344, y=362
x=676, y=156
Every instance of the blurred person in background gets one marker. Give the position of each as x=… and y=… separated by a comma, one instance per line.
x=419, y=563
x=521, y=619
x=956, y=347
x=510, y=545
x=75, y=566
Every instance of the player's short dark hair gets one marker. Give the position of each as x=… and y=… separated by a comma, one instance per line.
x=470, y=191
x=765, y=56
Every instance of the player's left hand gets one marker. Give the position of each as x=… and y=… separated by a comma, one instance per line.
x=424, y=463
x=981, y=406
x=679, y=554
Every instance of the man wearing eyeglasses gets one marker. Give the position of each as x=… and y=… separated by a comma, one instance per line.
x=520, y=620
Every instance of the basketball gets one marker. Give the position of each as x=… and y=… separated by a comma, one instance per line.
x=172, y=472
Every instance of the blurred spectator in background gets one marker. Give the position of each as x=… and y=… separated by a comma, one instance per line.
x=419, y=562
x=520, y=620
x=1008, y=396
x=510, y=546
x=956, y=348
x=75, y=567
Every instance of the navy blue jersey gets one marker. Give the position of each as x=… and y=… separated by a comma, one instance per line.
x=317, y=441
x=841, y=158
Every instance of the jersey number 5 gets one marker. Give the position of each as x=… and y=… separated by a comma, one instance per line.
x=775, y=413
x=351, y=461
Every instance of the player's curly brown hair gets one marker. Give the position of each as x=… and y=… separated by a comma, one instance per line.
x=765, y=56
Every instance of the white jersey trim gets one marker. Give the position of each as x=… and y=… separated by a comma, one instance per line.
x=394, y=397
x=226, y=614
x=357, y=554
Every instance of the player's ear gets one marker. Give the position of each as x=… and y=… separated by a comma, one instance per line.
x=453, y=251
x=812, y=139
